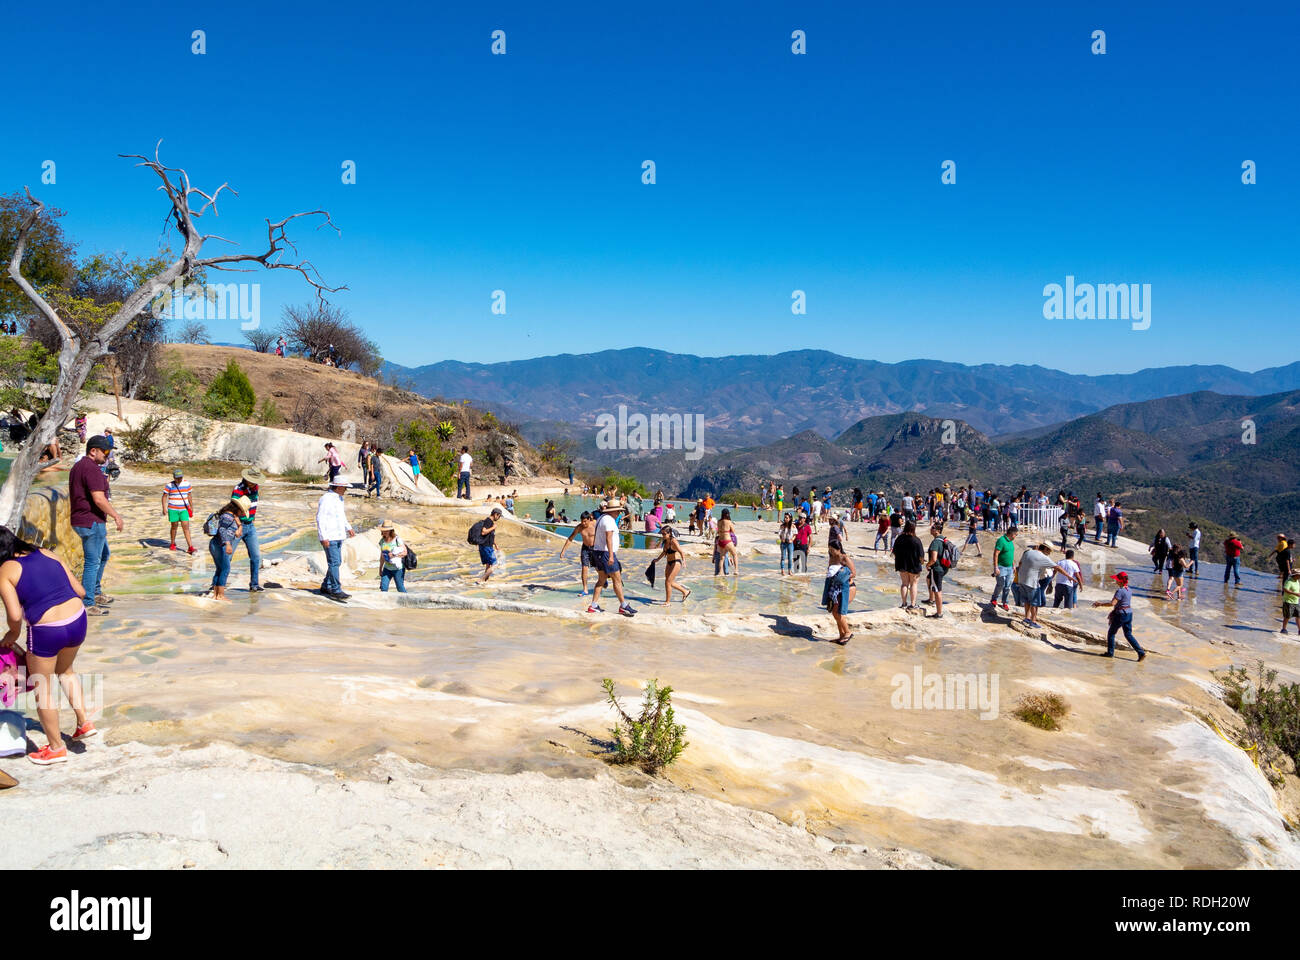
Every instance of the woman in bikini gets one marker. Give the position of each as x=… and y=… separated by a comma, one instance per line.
x=37, y=588
x=672, y=553
x=725, y=542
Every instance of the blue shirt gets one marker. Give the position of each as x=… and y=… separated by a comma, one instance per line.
x=1125, y=597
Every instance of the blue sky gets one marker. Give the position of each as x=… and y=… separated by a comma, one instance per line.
x=775, y=172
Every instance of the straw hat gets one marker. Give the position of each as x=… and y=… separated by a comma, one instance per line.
x=244, y=503
x=386, y=526
x=611, y=506
x=342, y=480
x=252, y=475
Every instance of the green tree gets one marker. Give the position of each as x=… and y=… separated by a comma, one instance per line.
x=230, y=396
x=24, y=363
x=49, y=259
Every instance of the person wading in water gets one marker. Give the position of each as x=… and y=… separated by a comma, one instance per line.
x=586, y=529
x=671, y=552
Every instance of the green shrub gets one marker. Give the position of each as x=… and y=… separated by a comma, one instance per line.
x=1271, y=710
x=296, y=475
x=268, y=414
x=177, y=387
x=435, y=459
x=652, y=740
x=230, y=396
x=744, y=499
x=446, y=430
x=141, y=442
x=610, y=479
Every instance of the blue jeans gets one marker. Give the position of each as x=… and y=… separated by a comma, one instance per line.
x=221, y=561
x=398, y=577
x=333, y=560
x=1231, y=565
x=1194, y=554
x=1121, y=621
x=249, y=537
x=1066, y=596
x=1112, y=531
x=787, y=557
x=375, y=480
x=94, y=547
x=463, y=481
x=1002, y=586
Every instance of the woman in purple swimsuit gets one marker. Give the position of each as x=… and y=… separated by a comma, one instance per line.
x=38, y=588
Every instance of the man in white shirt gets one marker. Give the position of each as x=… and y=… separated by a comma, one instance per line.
x=1069, y=578
x=1098, y=517
x=462, y=480
x=332, y=528
x=816, y=511
x=1194, y=548
x=604, y=558
x=1035, y=564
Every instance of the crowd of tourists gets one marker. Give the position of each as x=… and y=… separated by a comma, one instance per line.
x=39, y=590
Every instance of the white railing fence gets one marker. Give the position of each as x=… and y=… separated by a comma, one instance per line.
x=1041, y=518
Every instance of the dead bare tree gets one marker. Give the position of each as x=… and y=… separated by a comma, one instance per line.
x=78, y=353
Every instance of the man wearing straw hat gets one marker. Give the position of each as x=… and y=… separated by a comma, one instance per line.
x=604, y=558
x=332, y=528
x=247, y=486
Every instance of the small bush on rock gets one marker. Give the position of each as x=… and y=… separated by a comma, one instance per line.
x=652, y=740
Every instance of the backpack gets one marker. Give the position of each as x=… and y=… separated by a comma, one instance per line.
x=408, y=561
x=950, y=555
x=475, y=536
x=211, y=525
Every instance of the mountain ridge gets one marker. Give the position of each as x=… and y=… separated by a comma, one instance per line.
x=749, y=399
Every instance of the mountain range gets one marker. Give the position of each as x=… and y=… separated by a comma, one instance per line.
x=754, y=399
x=1226, y=462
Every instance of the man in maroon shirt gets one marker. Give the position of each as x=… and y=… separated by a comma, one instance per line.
x=88, y=494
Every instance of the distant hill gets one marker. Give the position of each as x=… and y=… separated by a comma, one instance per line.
x=1172, y=460
x=888, y=450
x=312, y=398
x=751, y=400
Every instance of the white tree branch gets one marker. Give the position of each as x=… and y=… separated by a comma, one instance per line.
x=66, y=336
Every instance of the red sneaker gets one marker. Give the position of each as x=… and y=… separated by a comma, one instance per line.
x=85, y=731
x=45, y=756
x=193, y=550
x=172, y=547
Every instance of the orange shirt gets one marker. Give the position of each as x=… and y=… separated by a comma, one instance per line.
x=708, y=503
